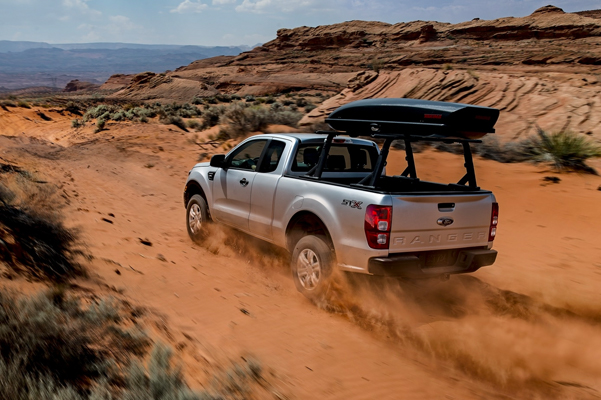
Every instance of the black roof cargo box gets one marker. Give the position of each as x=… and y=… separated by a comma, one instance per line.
x=413, y=117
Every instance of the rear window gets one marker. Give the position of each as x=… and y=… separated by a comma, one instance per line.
x=342, y=157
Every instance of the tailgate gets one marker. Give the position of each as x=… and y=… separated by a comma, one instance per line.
x=435, y=222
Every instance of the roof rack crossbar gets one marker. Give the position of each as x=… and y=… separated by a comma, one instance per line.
x=412, y=138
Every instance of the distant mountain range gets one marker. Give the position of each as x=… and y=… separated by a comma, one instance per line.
x=28, y=64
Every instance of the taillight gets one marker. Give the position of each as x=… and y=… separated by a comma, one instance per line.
x=377, y=226
x=494, y=220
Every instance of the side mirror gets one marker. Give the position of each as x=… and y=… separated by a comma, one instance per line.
x=217, y=160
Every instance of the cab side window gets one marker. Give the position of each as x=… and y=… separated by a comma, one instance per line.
x=272, y=157
x=248, y=156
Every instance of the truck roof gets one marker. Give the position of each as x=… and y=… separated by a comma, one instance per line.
x=310, y=137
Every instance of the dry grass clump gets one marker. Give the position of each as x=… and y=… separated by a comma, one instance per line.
x=563, y=150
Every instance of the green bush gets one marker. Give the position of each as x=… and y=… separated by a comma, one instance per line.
x=563, y=150
x=23, y=104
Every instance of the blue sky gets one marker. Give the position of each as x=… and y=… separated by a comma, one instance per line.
x=230, y=22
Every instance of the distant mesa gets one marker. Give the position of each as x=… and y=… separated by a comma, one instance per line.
x=77, y=86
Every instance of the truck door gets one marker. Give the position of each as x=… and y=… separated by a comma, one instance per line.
x=232, y=185
x=264, y=187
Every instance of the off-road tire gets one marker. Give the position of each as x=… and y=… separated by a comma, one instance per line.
x=311, y=264
x=197, y=218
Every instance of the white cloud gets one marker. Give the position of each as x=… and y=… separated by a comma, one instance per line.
x=81, y=6
x=220, y=2
x=188, y=6
x=283, y=6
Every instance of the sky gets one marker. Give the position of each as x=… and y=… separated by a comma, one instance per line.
x=231, y=22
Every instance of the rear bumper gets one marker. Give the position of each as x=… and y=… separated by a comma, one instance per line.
x=416, y=265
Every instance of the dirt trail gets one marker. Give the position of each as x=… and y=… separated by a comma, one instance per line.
x=527, y=327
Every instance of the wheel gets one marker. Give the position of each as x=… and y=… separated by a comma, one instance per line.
x=311, y=266
x=196, y=218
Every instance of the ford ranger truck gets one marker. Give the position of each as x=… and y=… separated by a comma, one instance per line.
x=326, y=198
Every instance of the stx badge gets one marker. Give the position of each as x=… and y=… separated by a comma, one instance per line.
x=352, y=203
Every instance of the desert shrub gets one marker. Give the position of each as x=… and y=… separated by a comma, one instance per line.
x=73, y=108
x=197, y=100
x=211, y=100
x=249, y=98
x=310, y=107
x=98, y=111
x=194, y=124
x=235, y=97
x=301, y=102
x=52, y=347
x=77, y=123
x=212, y=116
x=8, y=103
x=100, y=124
x=174, y=120
x=563, y=150
x=270, y=100
x=143, y=119
x=241, y=120
x=277, y=106
x=118, y=116
x=289, y=118
x=223, y=97
x=287, y=102
x=293, y=107
x=23, y=104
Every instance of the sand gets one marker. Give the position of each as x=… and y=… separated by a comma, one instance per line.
x=526, y=327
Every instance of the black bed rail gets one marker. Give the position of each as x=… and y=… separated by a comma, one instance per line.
x=371, y=180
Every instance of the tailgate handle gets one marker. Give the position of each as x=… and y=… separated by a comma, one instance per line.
x=446, y=207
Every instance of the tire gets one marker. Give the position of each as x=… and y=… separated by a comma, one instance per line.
x=311, y=266
x=197, y=218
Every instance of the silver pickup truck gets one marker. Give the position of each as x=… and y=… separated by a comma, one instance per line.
x=327, y=199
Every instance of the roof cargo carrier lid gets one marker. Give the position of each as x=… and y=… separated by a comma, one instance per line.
x=413, y=117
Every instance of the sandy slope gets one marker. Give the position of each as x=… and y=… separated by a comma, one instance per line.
x=476, y=336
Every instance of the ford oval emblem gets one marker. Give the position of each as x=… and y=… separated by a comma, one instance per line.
x=445, y=221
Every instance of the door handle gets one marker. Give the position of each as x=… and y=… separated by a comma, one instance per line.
x=244, y=182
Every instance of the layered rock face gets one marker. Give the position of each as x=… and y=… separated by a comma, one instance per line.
x=540, y=70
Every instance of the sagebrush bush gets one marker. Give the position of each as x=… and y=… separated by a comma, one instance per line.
x=77, y=123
